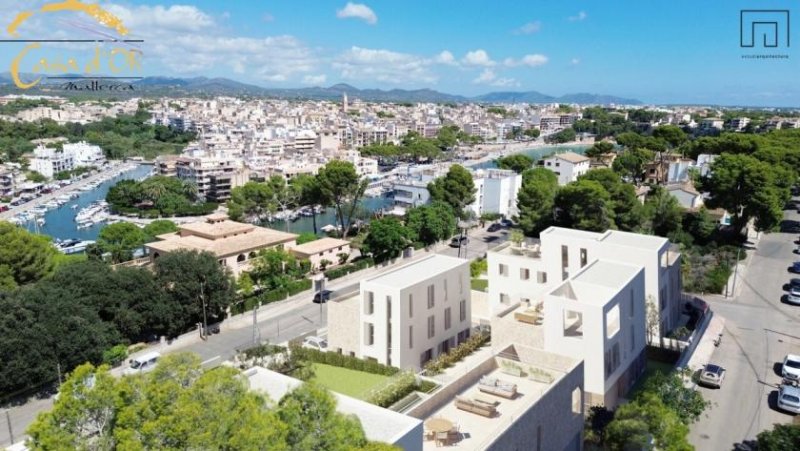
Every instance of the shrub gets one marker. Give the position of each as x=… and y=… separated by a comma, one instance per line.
x=455, y=355
x=395, y=390
x=356, y=265
x=115, y=355
x=263, y=350
x=343, y=361
x=478, y=267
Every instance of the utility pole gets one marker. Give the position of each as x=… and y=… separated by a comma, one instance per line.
x=256, y=331
x=205, y=319
x=10, y=430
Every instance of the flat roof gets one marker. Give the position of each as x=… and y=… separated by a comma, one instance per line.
x=572, y=157
x=571, y=233
x=598, y=282
x=414, y=272
x=256, y=239
x=379, y=424
x=634, y=239
x=320, y=245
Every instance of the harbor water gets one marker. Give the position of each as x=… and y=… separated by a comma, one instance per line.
x=537, y=153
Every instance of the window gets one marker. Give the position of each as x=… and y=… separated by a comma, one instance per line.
x=503, y=270
x=564, y=262
x=573, y=324
x=612, y=322
x=584, y=257
x=662, y=298
x=445, y=289
x=431, y=326
x=633, y=337
x=410, y=305
x=369, y=334
x=541, y=277
x=410, y=337
x=577, y=401
x=431, y=300
x=460, y=283
x=524, y=273
x=633, y=306
x=447, y=318
x=558, y=164
x=462, y=310
x=369, y=303
x=504, y=299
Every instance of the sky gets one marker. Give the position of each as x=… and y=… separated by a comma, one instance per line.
x=656, y=51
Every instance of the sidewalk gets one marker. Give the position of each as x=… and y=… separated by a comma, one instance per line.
x=734, y=286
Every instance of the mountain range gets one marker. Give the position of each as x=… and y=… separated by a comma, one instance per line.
x=174, y=87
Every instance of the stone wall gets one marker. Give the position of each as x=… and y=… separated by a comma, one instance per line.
x=344, y=326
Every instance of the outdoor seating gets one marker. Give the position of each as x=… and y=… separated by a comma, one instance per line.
x=442, y=438
x=478, y=408
x=529, y=316
x=497, y=387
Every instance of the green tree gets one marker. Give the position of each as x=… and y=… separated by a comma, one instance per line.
x=781, y=437
x=628, y=211
x=313, y=422
x=120, y=240
x=646, y=424
x=687, y=403
x=672, y=134
x=564, y=136
x=700, y=225
x=24, y=257
x=159, y=227
x=532, y=132
x=431, y=223
x=193, y=280
x=311, y=194
x=535, y=200
x=340, y=183
x=35, y=177
x=386, y=239
x=663, y=211
x=517, y=162
x=306, y=237
x=584, y=205
x=251, y=200
x=456, y=188
x=599, y=148
x=745, y=187
x=630, y=163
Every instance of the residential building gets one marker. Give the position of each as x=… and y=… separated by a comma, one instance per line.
x=167, y=165
x=739, y=123
x=686, y=195
x=233, y=243
x=214, y=177
x=322, y=249
x=412, y=192
x=548, y=124
x=407, y=316
x=6, y=183
x=526, y=274
x=568, y=166
x=711, y=124
x=496, y=192
x=85, y=154
x=49, y=161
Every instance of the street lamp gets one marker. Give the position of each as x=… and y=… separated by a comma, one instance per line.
x=319, y=287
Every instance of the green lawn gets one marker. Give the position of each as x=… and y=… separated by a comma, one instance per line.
x=479, y=284
x=346, y=381
x=652, y=367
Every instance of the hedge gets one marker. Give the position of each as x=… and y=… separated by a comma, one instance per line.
x=266, y=297
x=444, y=361
x=395, y=390
x=342, y=361
x=344, y=270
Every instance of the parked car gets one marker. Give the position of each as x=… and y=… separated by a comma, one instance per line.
x=791, y=367
x=789, y=398
x=317, y=343
x=324, y=296
x=793, y=297
x=712, y=376
x=459, y=241
x=796, y=267
x=494, y=227
x=794, y=284
x=506, y=222
x=142, y=364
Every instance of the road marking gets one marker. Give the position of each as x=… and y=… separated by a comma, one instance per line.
x=209, y=360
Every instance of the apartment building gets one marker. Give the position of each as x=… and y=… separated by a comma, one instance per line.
x=6, y=183
x=525, y=274
x=49, y=161
x=497, y=192
x=548, y=124
x=568, y=166
x=214, y=177
x=407, y=316
x=739, y=123
x=85, y=154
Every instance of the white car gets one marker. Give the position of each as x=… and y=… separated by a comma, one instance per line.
x=712, y=376
x=793, y=297
x=791, y=367
x=317, y=343
x=789, y=398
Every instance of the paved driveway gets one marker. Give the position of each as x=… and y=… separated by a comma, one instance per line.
x=760, y=329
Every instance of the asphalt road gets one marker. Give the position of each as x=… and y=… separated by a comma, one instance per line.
x=760, y=329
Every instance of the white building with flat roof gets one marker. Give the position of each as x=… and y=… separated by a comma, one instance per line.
x=568, y=166
x=406, y=316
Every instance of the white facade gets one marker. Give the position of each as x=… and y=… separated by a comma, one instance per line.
x=412, y=193
x=407, y=316
x=499, y=192
x=49, y=162
x=526, y=274
x=568, y=166
x=85, y=154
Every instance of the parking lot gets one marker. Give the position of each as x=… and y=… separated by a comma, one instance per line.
x=760, y=329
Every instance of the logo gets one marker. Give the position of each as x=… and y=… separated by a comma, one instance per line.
x=111, y=53
x=766, y=32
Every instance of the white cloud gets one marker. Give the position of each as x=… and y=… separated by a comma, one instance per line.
x=575, y=61
x=384, y=65
x=267, y=17
x=578, y=17
x=143, y=19
x=314, y=79
x=529, y=28
x=533, y=60
x=358, y=11
x=485, y=77
x=477, y=58
x=505, y=83
x=446, y=58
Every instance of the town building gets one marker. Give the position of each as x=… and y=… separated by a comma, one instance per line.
x=214, y=177
x=407, y=316
x=686, y=195
x=233, y=243
x=496, y=192
x=568, y=166
x=739, y=123
x=49, y=161
x=322, y=249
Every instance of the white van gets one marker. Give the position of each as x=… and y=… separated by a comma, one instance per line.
x=143, y=363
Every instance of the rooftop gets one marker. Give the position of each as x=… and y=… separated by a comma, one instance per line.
x=320, y=245
x=418, y=271
x=379, y=424
x=598, y=282
x=639, y=240
x=572, y=157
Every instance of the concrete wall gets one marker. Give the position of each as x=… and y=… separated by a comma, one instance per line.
x=551, y=423
x=448, y=393
x=411, y=440
x=342, y=334
x=513, y=285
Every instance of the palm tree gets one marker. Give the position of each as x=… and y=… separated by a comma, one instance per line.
x=153, y=190
x=189, y=190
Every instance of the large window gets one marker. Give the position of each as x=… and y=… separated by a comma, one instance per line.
x=573, y=324
x=504, y=299
x=431, y=295
x=462, y=310
x=612, y=322
x=503, y=270
x=524, y=273
x=410, y=305
x=564, y=262
x=369, y=334
x=369, y=303
x=431, y=326
x=447, y=318
x=541, y=277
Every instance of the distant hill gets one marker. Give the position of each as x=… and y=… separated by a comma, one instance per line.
x=176, y=87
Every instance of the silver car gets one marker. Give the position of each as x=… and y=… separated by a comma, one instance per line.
x=789, y=398
x=712, y=376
